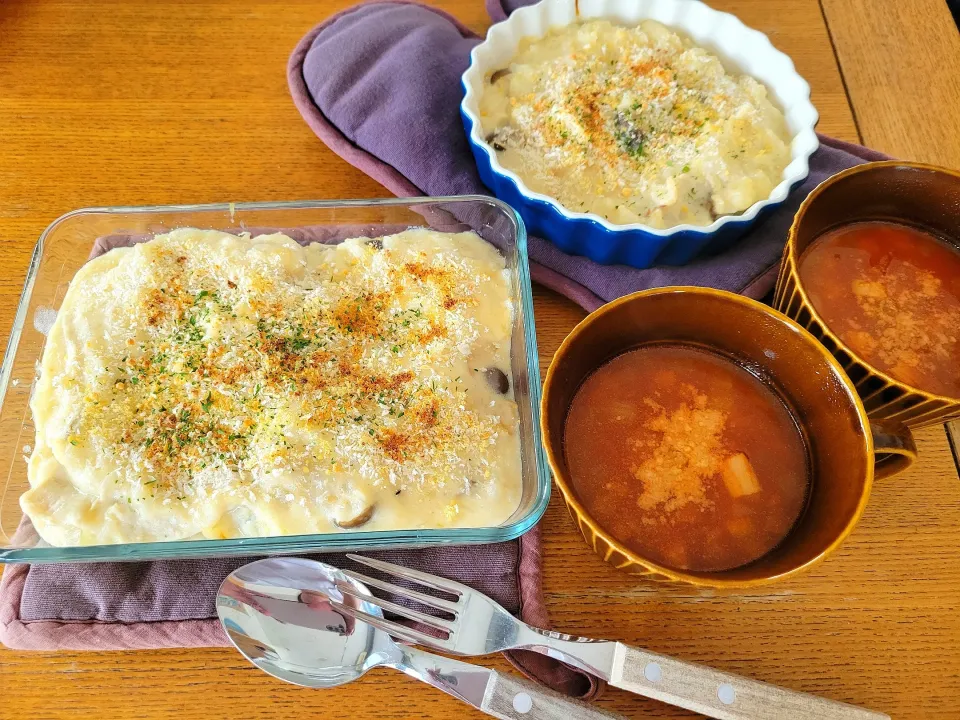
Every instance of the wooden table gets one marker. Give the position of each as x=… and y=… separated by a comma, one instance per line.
x=144, y=102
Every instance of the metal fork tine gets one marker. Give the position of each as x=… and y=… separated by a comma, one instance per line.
x=428, y=600
x=391, y=628
x=425, y=579
x=429, y=620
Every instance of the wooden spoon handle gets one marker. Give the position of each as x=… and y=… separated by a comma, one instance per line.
x=510, y=697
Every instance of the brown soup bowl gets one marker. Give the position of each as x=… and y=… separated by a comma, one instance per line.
x=912, y=193
x=845, y=452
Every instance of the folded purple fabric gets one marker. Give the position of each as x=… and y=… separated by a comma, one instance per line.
x=380, y=84
x=131, y=606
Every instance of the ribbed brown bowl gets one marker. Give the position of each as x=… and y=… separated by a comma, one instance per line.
x=917, y=194
x=824, y=401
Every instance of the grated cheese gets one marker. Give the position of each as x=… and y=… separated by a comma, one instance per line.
x=634, y=124
x=216, y=385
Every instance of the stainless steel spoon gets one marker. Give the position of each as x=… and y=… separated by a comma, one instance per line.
x=277, y=613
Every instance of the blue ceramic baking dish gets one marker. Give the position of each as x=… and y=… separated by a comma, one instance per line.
x=638, y=245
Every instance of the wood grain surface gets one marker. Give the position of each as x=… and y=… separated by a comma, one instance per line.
x=901, y=65
x=143, y=102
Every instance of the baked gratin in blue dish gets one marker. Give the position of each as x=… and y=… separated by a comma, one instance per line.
x=710, y=126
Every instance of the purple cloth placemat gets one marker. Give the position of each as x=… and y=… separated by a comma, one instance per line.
x=379, y=84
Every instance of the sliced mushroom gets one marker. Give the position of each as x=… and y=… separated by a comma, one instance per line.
x=501, y=73
x=497, y=145
x=376, y=243
x=362, y=519
x=497, y=380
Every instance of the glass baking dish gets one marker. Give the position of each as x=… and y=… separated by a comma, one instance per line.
x=66, y=245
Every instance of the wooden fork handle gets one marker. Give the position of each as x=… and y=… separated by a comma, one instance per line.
x=721, y=695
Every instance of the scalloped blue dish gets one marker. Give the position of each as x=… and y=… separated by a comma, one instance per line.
x=638, y=248
x=638, y=245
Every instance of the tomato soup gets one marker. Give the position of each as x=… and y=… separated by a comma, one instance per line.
x=686, y=458
x=891, y=293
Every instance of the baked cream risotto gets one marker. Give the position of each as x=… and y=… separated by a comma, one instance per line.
x=634, y=124
x=207, y=385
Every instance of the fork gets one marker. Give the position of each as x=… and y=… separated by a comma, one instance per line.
x=476, y=625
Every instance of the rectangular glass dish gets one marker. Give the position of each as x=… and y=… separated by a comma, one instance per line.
x=65, y=246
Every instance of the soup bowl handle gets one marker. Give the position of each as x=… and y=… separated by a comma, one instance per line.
x=893, y=448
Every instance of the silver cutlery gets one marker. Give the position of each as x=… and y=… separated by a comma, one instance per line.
x=306, y=623
x=476, y=625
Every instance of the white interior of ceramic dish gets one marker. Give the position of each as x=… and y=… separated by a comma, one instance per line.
x=741, y=49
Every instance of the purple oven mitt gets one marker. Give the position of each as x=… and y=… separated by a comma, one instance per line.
x=380, y=84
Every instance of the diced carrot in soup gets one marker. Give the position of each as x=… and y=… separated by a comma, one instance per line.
x=861, y=341
x=739, y=476
x=740, y=526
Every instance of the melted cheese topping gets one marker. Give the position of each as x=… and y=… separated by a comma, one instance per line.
x=204, y=384
x=634, y=124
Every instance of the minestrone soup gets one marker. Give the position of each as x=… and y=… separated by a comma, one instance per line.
x=891, y=293
x=686, y=458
